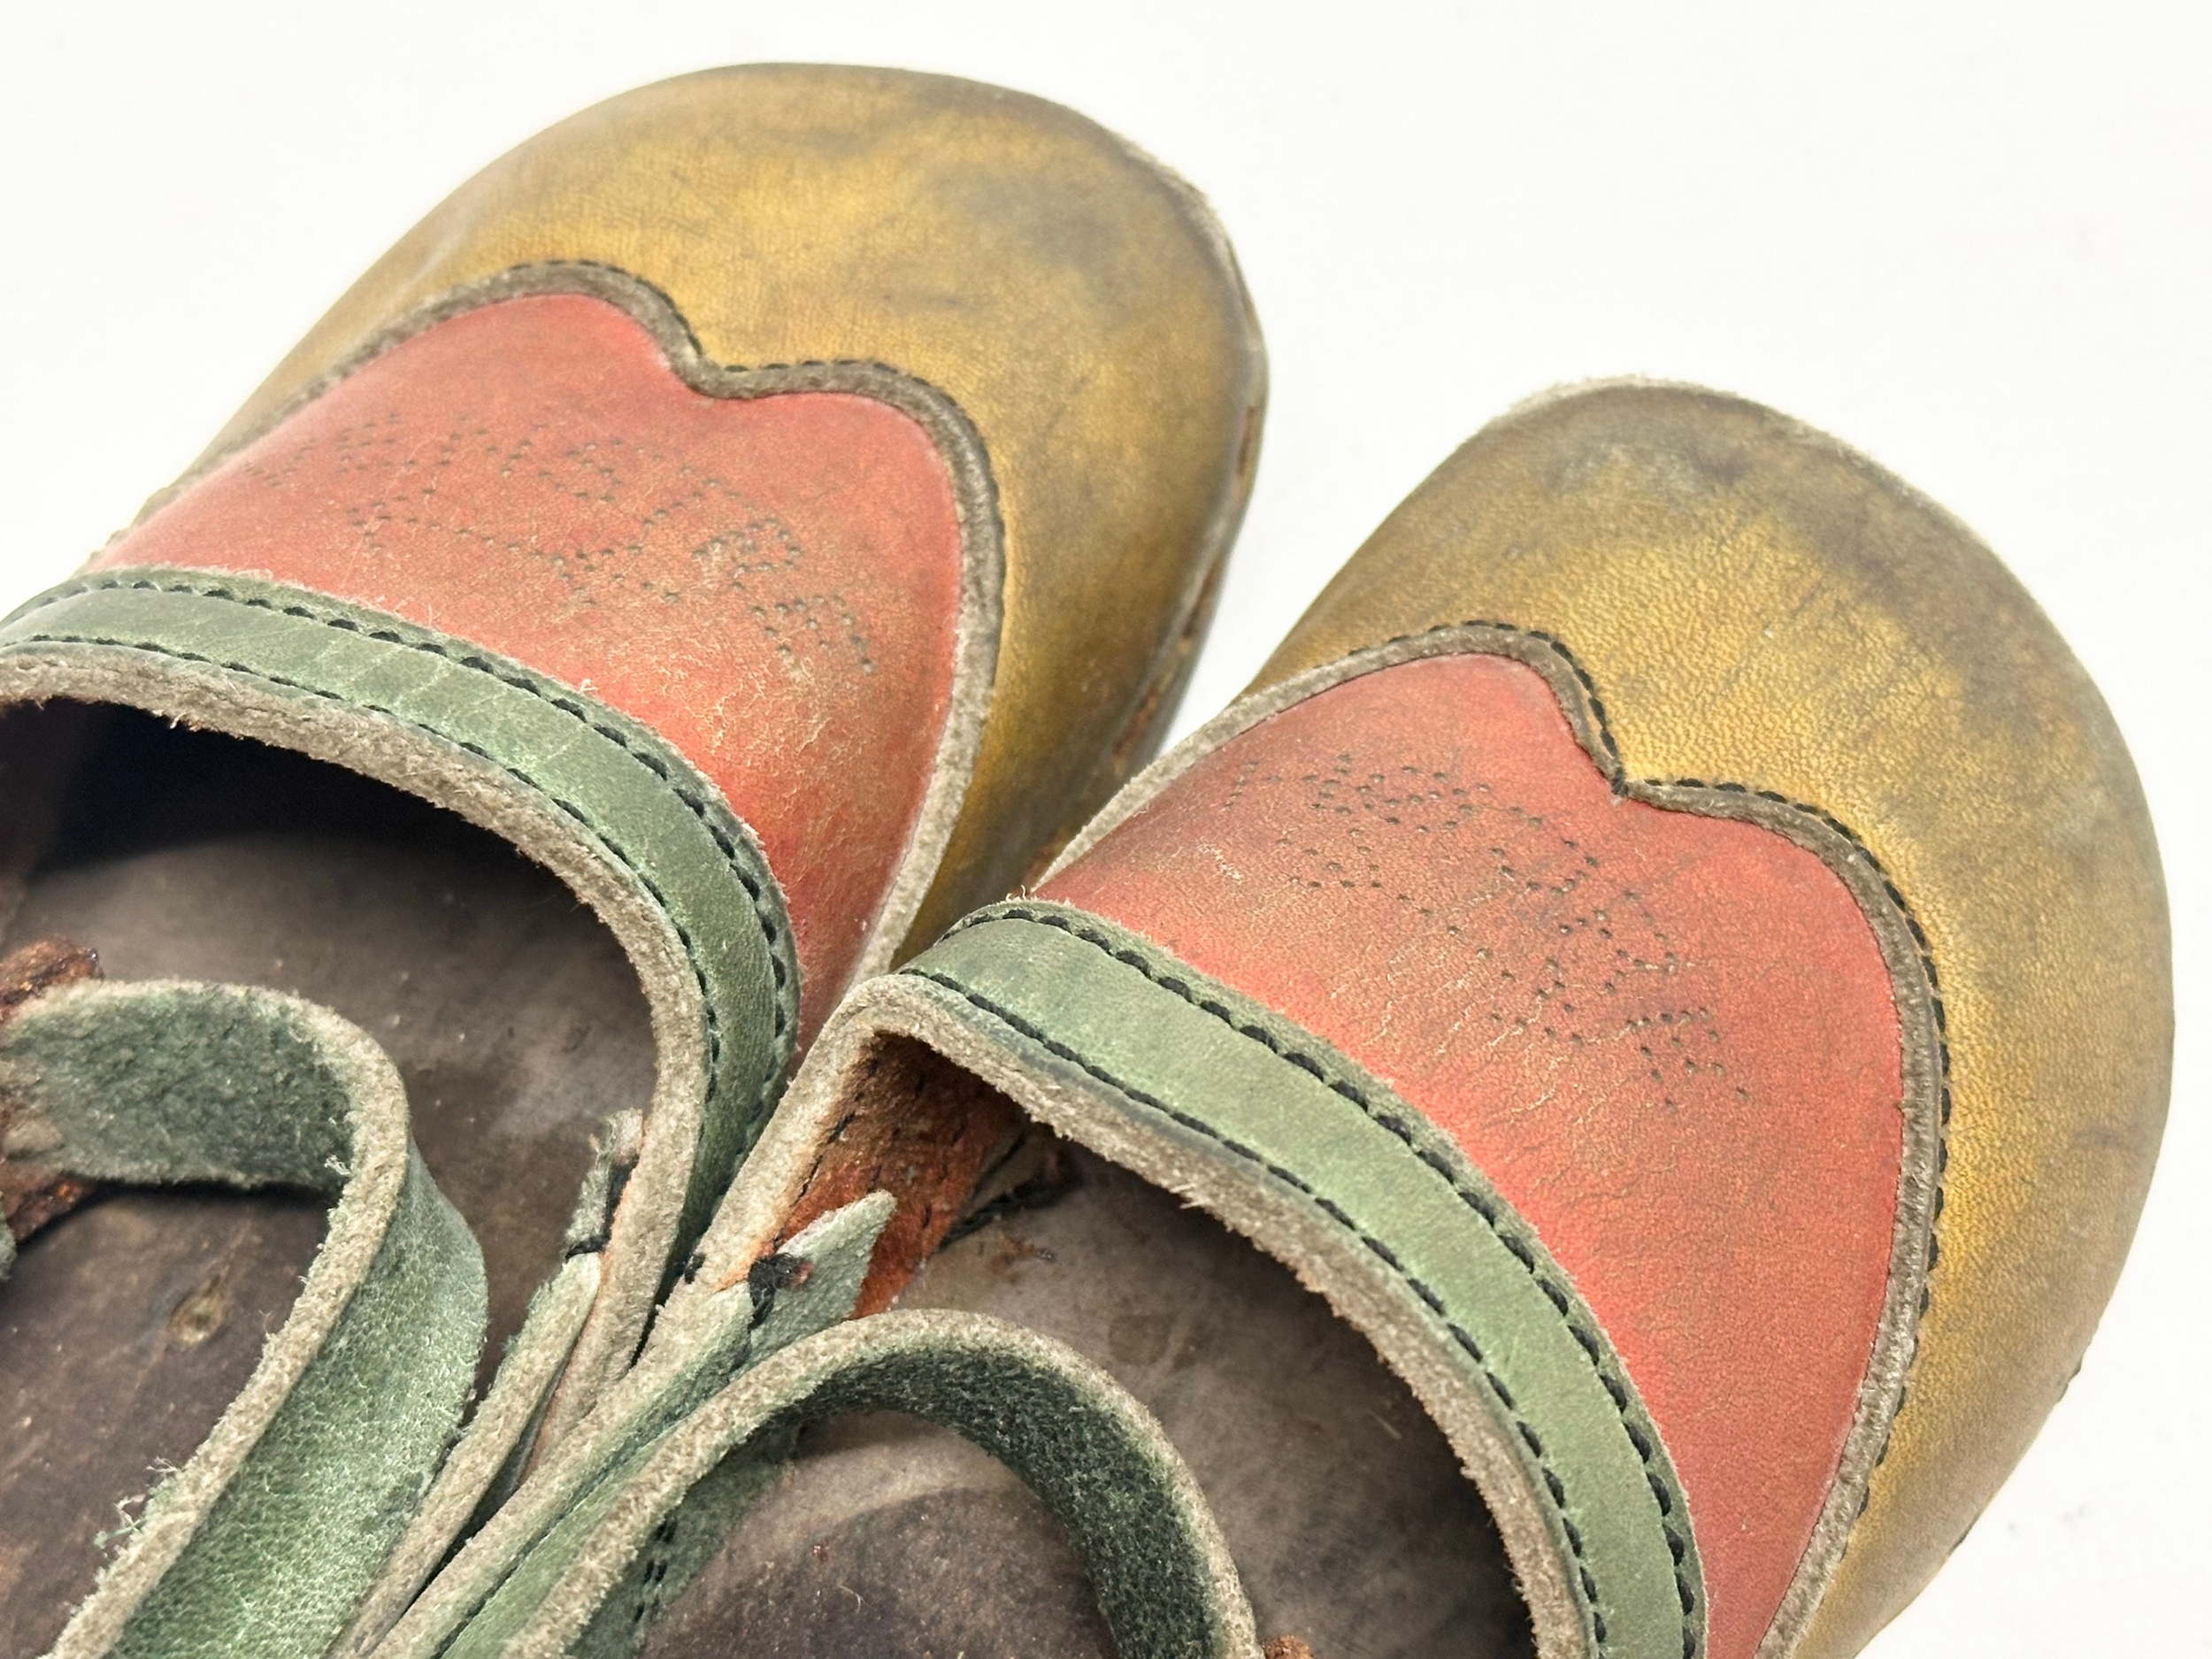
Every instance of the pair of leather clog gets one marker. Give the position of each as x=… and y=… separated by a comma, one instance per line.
x=1591, y=1112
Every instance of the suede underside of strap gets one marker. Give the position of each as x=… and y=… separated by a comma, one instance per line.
x=262, y=1542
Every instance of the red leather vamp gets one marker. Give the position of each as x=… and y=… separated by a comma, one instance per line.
x=772, y=584
x=1668, y=1039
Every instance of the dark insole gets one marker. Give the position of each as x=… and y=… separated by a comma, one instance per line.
x=1344, y=1510
x=513, y=1016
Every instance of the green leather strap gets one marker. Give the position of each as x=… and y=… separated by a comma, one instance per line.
x=1164, y=1577
x=1226, y=1083
x=809, y=1283
x=262, y=1542
x=477, y=1472
x=659, y=825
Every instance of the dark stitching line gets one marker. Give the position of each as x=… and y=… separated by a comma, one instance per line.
x=694, y=802
x=1621, y=785
x=658, y=1549
x=714, y=1041
x=708, y=367
x=479, y=663
x=483, y=292
x=1428, y=1296
x=1479, y=1202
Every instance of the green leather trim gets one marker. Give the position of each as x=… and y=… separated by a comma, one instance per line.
x=1097, y=1459
x=660, y=823
x=261, y=1545
x=1195, y=1062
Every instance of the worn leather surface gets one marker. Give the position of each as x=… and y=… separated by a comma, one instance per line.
x=591, y=795
x=1341, y=1501
x=1754, y=603
x=653, y=829
x=1238, y=1097
x=772, y=584
x=923, y=1131
x=1668, y=1039
x=1076, y=303
x=259, y=1544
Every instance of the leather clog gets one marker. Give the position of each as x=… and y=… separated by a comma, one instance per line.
x=739, y=531
x=1668, y=965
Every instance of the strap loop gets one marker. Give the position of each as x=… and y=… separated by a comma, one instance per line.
x=1165, y=1578
x=313, y=1470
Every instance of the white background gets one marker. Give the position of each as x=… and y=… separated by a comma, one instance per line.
x=1975, y=240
